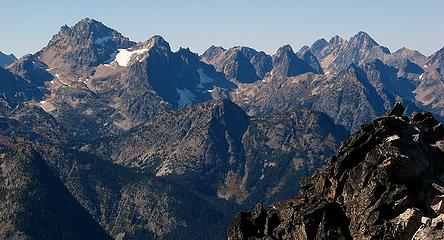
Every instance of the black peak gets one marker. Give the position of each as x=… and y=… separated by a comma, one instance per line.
x=85, y=29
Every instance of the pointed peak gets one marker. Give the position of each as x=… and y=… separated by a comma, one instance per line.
x=245, y=51
x=212, y=52
x=157, y=41
x=86, y=28
x=87, y=21
x=362, y=34
x=285, y=49
x=363, y=39
x=213, y=47
x=403, y=49
x=304, y=51
x=321, y=42
x=336, y=40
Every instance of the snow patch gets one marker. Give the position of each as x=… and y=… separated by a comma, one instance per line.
x=124, y=56
x=186, y=97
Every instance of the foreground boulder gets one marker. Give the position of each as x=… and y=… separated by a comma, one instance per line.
x=385, y=182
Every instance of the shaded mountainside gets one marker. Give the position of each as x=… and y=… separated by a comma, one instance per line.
x=385, y=182
x=34, y=204
x=6, y=60
x=15, y=90
x=224, y=153
x=430, y=91
x=228, y=162
x=77, y=195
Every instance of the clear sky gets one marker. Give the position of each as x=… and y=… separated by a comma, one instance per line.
x=27, y=25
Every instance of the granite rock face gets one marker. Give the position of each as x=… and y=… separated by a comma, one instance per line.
x=385, y=182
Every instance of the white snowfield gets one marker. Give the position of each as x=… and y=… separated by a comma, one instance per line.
x=124, y=56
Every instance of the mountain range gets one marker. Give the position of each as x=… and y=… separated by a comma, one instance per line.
x=132, y=140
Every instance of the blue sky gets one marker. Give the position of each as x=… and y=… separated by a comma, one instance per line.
x=27, y=25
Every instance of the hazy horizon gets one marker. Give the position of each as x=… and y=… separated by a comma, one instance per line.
x=262, y=25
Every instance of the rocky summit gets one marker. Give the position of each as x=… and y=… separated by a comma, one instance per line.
x=385, y=182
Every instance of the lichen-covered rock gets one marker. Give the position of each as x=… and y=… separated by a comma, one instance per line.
x=381, y=184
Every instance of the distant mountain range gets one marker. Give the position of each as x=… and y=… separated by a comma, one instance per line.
x=143, y=142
